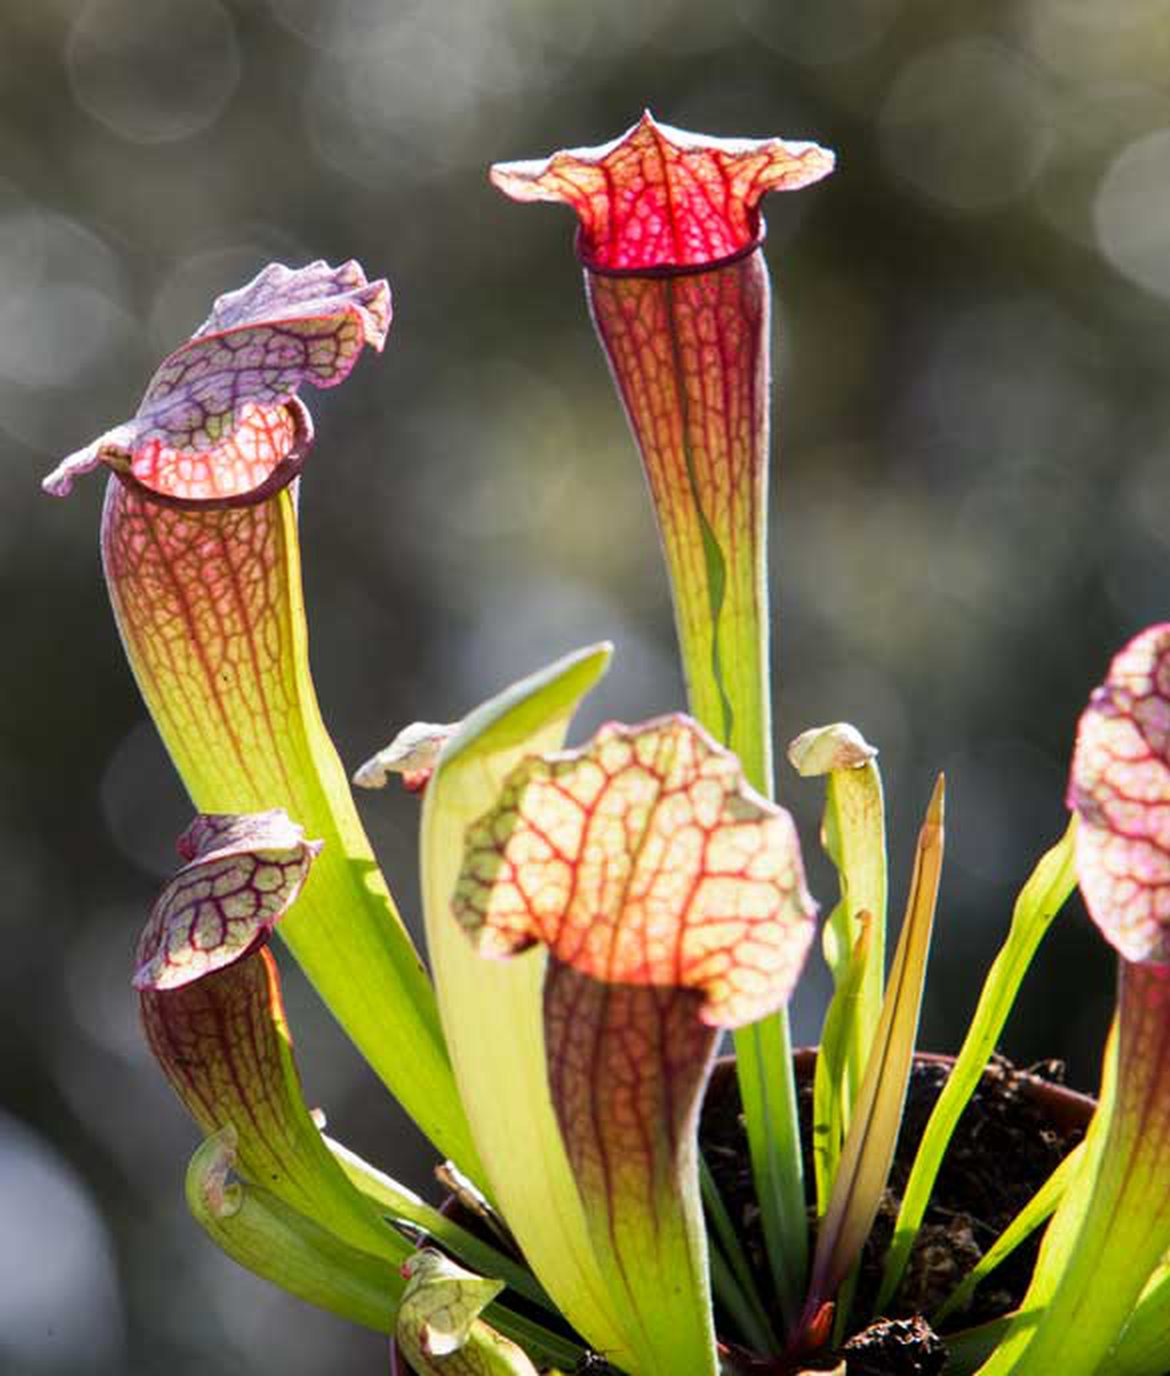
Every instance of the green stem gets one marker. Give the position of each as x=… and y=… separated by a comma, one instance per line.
x=767, y=1085
x=695, y=348
x=398, y=1203
x=546, y=1348
x=737, y=1304
x=739, y=1287
x=1041, y=898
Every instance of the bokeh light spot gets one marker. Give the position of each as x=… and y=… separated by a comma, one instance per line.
x=153, y=73
x=966, y=124
x=58, y=334
x=819, y=34
x=1132, y=213
x=1085, y=39
x=60, y=1306
x=407, y=87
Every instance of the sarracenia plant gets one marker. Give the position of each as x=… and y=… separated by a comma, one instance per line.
x=595, y=916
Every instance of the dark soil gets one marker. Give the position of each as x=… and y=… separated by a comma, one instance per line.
x=1005, y=1146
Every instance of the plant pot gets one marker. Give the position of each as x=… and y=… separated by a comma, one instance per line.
x=1059, y=1114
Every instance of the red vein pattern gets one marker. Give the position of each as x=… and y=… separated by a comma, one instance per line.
x=209, y=604
x=219, y=420
x=242, y=874
x=208, y=601
x=211, y=1008
x=627, y=1067
x=224, y=1044
x=1120, y=786
x=678, y=290
x=200, y=552
x=644, y=859
x=689, y=356
x=658, y=197
x=671, y=898
x=203, y=601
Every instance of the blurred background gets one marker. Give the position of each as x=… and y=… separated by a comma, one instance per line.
x=971, y=504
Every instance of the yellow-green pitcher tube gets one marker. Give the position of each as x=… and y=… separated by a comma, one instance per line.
x=209, y=605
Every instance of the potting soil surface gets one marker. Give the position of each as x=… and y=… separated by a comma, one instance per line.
x=1004, y=1147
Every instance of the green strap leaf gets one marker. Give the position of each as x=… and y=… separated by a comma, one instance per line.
x=732, y=1277
x=767, y=1088
x=1041, y=898
x=833, y=1096
x=265, y=1235
x=742, y=1307
x=873, y=1131
x=1060, y=1240
x=396, y=1202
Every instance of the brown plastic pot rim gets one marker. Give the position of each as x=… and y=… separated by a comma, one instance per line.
x=1068, y=1108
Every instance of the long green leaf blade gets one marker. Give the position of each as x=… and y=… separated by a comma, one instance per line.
x=831, y=1096
x=1144, y=1348
x=1072, y=1216
x=271, y=1239
x=400, y=1204
x=753, y=1326
x=744, y=1293
x=873, y=1132
x=1041, y=898
x=763, y=1063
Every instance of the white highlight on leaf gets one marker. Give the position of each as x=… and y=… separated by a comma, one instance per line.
x=415, y=748
x=822, y=749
